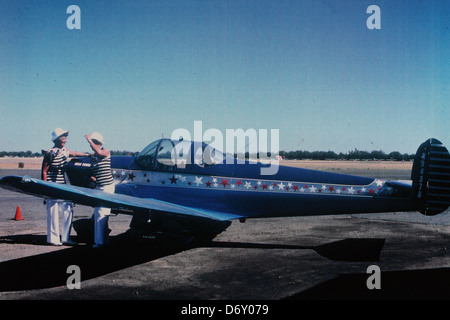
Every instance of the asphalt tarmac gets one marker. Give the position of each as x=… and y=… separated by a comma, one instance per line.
x=327, y=257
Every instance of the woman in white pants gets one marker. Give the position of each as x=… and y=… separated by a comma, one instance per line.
x=55, y=208
x=102, y=175
x=53, y=170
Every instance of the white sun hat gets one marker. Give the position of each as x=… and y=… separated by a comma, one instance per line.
x=98, y=137
x=59, y=133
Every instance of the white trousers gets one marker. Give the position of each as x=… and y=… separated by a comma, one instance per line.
x=56, y=207
x=101, y=216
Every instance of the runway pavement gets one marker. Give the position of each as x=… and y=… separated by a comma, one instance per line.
x=323, y=257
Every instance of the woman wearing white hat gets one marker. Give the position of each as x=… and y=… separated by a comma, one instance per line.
x=53, y=169
x=102, y=175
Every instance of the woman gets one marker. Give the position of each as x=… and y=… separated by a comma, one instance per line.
x=104, y=181
x=53, y=170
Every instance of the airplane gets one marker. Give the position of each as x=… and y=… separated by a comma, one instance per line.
x=169, y=192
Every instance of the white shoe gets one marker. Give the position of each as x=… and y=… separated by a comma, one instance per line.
x=55, y=243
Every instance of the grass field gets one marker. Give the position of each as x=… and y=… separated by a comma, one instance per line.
x=21, y=163
x=396, y=170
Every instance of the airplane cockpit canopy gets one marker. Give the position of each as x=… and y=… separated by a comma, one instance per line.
x=166, y=154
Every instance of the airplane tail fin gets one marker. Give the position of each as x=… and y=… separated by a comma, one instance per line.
x=431, y=177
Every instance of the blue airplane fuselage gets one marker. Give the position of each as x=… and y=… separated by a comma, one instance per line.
x=239, y=187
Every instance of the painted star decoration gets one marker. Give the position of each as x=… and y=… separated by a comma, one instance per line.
x=227, y=183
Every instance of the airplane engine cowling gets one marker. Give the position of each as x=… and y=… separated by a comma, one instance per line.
x=79, y=172
x=431, y=177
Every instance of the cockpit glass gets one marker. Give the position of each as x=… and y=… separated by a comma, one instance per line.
x=207, y=155
x=167, y=154
x=165, y=157
x=182, y=153
x=147, y=156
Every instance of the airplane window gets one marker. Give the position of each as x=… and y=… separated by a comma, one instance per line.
x=164, y=156
x=168, y=155
x=212, y=156
x=182, y=154
x=147, y=156
x=208, y=156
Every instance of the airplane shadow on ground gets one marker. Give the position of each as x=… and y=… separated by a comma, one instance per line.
x=342, y=250
x=425, y=284
x=50, y=269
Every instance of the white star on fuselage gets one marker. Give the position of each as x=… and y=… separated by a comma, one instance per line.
x=198, y=181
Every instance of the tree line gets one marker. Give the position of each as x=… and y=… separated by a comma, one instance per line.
x=331, y=155
x=288, y=155
x=29, y=154
x=351, y=155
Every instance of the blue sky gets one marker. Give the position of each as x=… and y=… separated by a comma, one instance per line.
x=138, y=70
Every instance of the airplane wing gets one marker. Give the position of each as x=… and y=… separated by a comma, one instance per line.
x=94, y=198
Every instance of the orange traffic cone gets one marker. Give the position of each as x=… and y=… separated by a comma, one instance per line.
x=18, y=214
